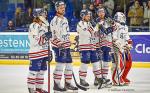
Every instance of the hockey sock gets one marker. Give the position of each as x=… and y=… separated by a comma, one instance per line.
x=96, y=70
x=40, y=79
x=83, y=71
x=105, y=69
x=58, y=72
x=68, y=73
x=31, y=80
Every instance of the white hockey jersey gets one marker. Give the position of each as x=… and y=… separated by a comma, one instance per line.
x=38, y=45
x=87, y=39
x=60, y=32
x=121, y=35
x=105, y=40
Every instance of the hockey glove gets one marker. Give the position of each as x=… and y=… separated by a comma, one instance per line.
x=109, y=30
x=47, y=35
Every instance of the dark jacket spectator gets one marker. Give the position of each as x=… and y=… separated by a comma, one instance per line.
x=19, y=16
x=10, y=26
x=28, y=16
x=92, y=9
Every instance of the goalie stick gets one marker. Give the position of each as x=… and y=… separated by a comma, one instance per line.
x=111, y=21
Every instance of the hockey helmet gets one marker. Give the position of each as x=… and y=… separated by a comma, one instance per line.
x=100, y=10
x=85, y=12
x=120, y=17
x=39, y=12
x=59, y=3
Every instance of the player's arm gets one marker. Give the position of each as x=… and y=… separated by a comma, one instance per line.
x=56, y=37
x=34, y=35
x=116, y=39
x=128, y=40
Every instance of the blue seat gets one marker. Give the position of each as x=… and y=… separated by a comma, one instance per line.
x=10, y=15
x=2, y=15
x=136, y=29
x=51, y=14
x=11, y=7
x=4, y=22
x=21, y=5
x=21, y=29
x=145, y=29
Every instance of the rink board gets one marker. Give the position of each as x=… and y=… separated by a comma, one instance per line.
x=75, y=63
x=18, y=43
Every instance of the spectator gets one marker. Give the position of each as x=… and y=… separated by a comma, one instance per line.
x=147, y=13
x=100, y=5
x=136, y=14
x=10, y=26
x=97, y=2
x=92, y=9
x=19, y=17
x=84, y=6
x=77, y=6
x=28, y=16
x=109, y=4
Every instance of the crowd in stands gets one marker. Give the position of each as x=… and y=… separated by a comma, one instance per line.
x=136, y=11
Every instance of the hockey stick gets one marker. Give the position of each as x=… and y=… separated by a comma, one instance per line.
x=111, y=21
x=50, y=57
x=101, y=64
x=80, y=87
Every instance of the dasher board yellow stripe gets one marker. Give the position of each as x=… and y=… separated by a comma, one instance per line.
x=76, y=62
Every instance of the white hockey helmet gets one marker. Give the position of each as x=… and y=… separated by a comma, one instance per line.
x=100, y=10
x=85, y=12
x=59, y=3
x=39, y=12
x=120, y=17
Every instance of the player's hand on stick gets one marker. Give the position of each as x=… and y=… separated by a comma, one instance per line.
x=47, y=35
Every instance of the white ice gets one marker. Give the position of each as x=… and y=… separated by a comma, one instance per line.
x=13, y=80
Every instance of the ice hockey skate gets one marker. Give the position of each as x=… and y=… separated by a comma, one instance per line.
x=31, y=90
x=38, y=90
x=84, y=83
x=71, y=88
x=58, y=89
x=106, y=83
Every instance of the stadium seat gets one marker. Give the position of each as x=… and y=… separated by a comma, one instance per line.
x=145, y=29
x=10, y=15
x=2, y=15
x=21, y=29
x=51, y=14
x=136, y=29
x=21, y=5
x=11, y=7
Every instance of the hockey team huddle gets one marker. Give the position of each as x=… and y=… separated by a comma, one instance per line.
x=100, y=43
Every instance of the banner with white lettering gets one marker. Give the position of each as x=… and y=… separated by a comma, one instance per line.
x=14, y=42
x=141, y=48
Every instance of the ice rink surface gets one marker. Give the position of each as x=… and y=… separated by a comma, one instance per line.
x=13, y=80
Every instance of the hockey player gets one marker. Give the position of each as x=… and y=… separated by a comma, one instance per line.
x=87, y=48
x=122, y=44
x=61, y=46
x=38, y=53
x=105, y=43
